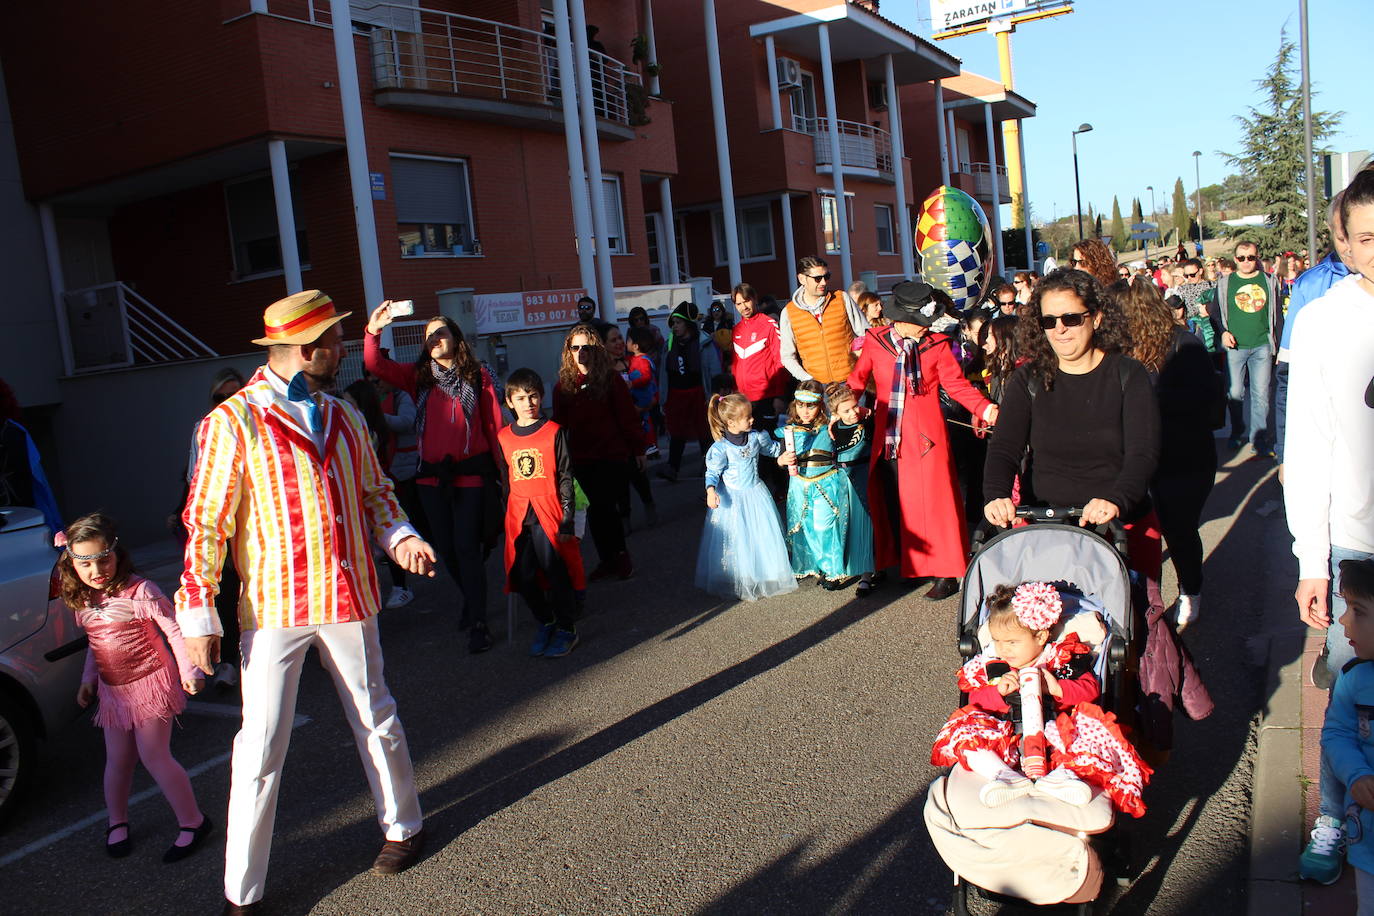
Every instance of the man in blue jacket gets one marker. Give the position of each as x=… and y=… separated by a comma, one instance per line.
x=1312, y=285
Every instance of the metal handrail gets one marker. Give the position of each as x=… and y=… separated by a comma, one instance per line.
x=414, y=47
x=983, y=168
x=144, y=334
x=862, y=146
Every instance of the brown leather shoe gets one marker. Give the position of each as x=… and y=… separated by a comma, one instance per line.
x=240, y=909
x=941, y=589
x=398, y=855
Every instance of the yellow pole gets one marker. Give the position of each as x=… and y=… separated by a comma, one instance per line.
x=1011, y=132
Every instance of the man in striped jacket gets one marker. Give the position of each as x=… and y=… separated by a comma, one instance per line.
x=289, y=474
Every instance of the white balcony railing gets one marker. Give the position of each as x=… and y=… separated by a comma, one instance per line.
x=434, y=51
x=862, y=146
x=112, y=326
x=983, y=174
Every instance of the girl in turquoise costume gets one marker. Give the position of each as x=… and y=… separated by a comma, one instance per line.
x=828, y=530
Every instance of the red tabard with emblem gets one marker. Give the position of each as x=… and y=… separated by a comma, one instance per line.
x=533, y=476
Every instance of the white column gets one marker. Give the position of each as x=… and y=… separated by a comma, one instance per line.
x=940, y=132
x=953, y=141
x=591, y=151
x=836, y=166
x=58, y=283
x=789, y=244
x=1025, y=200
x=668, y=244
x=356, y=142
x=653, y=44
x=727, y=179
x=996, y=189
x=894, y=121
x=286, y=216
x=775, y=103
x=572, y=136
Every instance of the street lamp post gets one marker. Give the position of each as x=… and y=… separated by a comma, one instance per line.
x=1197, y=199
x=1077, y=195
x=1154, y=214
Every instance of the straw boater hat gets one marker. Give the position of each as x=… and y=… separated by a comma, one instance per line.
x=299, y=319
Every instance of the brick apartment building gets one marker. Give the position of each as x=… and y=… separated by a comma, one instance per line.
x=153, y=157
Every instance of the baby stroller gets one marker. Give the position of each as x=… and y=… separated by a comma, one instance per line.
x=1037, y=849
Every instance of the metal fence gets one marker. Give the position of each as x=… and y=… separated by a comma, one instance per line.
x=406, y=339
x=111, y=327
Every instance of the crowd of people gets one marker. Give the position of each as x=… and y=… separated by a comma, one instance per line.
x=845, y=437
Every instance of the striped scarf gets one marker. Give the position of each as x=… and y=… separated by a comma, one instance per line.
x=452, y=384
x=906, y=377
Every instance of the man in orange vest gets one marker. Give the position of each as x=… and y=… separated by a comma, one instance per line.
x=818, y=326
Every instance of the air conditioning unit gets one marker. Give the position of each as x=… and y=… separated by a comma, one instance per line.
x=789, y=73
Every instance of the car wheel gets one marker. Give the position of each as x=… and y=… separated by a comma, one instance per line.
x=16, y=754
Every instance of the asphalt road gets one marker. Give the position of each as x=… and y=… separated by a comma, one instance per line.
x=691, y=756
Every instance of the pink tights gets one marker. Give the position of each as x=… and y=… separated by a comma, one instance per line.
x=150, y=742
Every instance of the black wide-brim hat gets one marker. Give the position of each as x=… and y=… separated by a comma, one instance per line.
x=916, y=302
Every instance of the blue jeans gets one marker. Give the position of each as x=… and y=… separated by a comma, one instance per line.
x=1258, y=364
x=1280, y=407
x=1339, y=653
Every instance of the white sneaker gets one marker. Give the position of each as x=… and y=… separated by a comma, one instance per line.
x=1008, y=786
x=1186, y=610
x=1064, y=785
x=399, y=597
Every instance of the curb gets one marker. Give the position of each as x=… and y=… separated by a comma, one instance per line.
x=1276, y=814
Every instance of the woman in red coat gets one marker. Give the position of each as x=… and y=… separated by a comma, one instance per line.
x=913, y=495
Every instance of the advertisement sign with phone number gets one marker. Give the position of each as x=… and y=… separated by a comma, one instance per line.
x=505, y=313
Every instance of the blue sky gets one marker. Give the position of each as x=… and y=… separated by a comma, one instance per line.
x=1158, y=81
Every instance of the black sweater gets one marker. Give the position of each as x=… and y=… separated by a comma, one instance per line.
x=1093, y=436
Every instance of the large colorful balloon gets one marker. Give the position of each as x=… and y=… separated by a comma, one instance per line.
x=954, y=241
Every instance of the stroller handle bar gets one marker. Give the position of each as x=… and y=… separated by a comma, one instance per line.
x=1113, y=531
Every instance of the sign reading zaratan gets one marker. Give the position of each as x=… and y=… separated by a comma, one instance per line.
x=947, y=15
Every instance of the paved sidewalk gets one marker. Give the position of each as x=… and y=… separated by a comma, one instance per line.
x=1339, y=898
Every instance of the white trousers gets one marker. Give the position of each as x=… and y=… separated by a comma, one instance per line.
x=270, y=676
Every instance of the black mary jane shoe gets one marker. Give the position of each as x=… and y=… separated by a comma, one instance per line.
x=123, y=847
x=941, y=589
x=865, y=588
x=198, y=834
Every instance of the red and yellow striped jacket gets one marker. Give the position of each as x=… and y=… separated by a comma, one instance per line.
x=300, y=522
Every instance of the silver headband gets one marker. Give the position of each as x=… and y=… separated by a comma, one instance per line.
x=91, y=556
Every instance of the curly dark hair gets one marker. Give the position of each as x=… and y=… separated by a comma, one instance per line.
x=1111, y=335
x=464, y=360
x=1150, y=319
x=93, y=528
x=1098, y=260
x=597, y=371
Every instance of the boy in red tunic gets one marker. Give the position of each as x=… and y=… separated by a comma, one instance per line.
x=543, y=557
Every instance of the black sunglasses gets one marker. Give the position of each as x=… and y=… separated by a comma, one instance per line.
x=1190, y=275
x=576, y=347
x=1071, y=320
x=817, y=277
x=1247, y=257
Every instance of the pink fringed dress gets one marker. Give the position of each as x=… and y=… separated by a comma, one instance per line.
x=138, y=679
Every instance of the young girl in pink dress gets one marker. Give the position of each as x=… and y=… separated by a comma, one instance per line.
x=129, y=623
x=1086, y=747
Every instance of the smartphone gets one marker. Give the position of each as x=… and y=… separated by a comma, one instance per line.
x=401, y=308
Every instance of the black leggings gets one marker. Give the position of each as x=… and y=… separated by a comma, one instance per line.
x=603, y=482
x=535, y=554
x=410, y=502
x=640, y=481
x=1178, y=500
x=677, y=446
x=455, y=526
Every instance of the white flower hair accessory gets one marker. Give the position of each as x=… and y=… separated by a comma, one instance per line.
x=928, y=309
x=1037, y=605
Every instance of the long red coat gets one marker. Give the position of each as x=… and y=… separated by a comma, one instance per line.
x=934, y=537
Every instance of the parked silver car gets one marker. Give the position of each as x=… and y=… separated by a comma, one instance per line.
x=42, y=650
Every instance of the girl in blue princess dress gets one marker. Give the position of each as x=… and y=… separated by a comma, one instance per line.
x=742, y=551
x=828, y=530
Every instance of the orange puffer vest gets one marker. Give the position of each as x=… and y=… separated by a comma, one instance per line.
x=824, y=346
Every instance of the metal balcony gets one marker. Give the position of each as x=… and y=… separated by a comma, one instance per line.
x=983, y=175
x=864, y=150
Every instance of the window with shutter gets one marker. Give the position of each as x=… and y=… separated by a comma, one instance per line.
x=615, y=214
x=433, y=207
x=882, y=218
x=252, y=210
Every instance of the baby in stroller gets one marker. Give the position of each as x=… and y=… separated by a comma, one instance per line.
x=1039, y=670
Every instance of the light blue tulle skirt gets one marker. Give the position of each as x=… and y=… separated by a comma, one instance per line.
x=742, y=552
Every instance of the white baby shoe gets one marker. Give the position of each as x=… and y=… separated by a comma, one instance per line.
x=1064, y=785
x=1008, y=786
